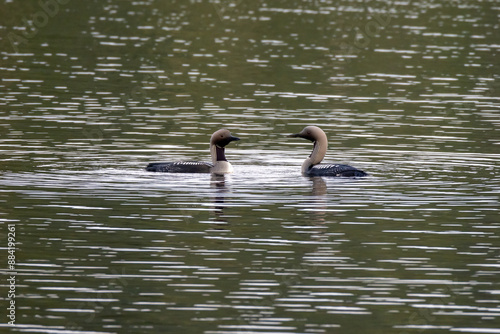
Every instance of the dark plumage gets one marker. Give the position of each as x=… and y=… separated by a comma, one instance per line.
x=335, y=170
x=180, y=167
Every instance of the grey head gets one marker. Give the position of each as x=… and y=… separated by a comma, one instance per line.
x=318, y=137
x=312, y=133
x=222, y=137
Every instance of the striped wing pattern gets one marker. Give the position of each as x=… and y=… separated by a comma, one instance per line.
x=335, y=170
x=180, y=167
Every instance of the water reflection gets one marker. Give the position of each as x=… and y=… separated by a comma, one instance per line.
x=318, y=200
x=221, y=191
x=239, y=253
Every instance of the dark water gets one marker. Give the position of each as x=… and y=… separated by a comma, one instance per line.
x=408, y=91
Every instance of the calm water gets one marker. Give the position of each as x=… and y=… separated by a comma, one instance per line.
x=408, y=91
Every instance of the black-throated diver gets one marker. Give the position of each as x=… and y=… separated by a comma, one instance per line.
x=219, y=164
x=311, y=166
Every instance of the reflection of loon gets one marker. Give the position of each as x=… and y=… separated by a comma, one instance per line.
x=219, y=164
x=311, y=166
x=218, y=183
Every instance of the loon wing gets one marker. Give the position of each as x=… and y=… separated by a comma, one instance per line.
x=335, y=170
x=180, y=167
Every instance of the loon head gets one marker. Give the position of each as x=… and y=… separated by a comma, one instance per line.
x=222, y=137
x=318, y=137
x=312, y=133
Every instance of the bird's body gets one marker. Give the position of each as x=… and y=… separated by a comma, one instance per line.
x=312, y=167
x=180, y=167
x=334, y=170
x=219, y=163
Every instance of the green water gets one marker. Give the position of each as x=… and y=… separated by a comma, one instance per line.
x=91, y=92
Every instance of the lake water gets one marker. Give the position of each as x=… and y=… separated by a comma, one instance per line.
x=91, y=91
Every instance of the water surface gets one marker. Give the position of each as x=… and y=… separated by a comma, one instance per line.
x=407, y=91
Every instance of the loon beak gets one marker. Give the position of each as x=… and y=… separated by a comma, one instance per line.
x=233, y=138
x=303, y=135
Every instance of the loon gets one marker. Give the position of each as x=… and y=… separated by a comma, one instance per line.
x=219, y=164
x=311, y=166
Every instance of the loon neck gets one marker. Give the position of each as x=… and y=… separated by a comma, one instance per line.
x=220, y=153
x=306, y=165
x=217, y=153
x=317, y=154
x=221, y=165
x=319, y=150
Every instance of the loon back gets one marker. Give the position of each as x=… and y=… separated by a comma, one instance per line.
x=180, y=167
x=334, y=170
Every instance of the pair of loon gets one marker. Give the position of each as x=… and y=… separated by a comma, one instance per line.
x=221, y=138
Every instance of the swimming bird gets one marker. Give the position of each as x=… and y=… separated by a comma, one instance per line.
x=219, y=165
x=311, y=166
